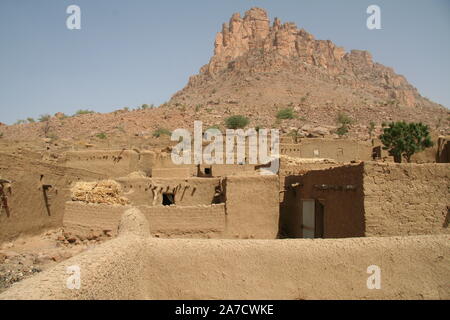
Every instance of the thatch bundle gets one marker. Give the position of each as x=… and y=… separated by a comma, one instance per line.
x=106, y=192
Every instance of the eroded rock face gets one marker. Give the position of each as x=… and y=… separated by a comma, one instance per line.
x=286, y=47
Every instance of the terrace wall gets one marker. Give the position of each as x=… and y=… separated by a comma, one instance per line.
x=413, y=267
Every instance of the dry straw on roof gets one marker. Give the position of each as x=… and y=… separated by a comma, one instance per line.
x=105, y=192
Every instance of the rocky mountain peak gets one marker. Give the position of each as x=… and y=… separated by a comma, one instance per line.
x=252, y=44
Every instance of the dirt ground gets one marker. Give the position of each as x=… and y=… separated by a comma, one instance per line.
x=28, y=255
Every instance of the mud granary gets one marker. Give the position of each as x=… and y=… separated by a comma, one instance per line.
x=350, y=207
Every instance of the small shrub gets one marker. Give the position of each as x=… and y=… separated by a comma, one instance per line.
x=101, y=135
x=161, y=131
x=145, y=106
x=30, y=120
x=1, y=134
x=20, y=122
x=236, y=122
x=197, y=107
x=287, y=113
x=80, y=112
x=344, y=121
x=341, y=131
x=44, y=117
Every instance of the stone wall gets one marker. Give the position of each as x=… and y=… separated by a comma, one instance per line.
x=406, y=199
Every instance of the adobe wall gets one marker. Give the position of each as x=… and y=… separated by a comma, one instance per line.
x=29, y=213
x=287, y=169
x=415, y=267
x=341, y=150
x=183, y=172
x=223, y=170
x=201, y=220
x=406, y=199
x=192, y=191
x=112, y=163
x=343, y=207
x=389, y=199
x=120, y=163
x=252, y=206
x=250, y=211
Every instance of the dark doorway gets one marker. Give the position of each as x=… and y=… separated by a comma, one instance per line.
x=318, y=217
x=168, y=199
x=208, y=171
x=376, y=153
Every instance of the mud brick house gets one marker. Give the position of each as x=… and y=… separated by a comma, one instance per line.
x=367, y=199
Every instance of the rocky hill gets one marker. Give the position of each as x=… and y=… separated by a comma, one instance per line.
x=259, y=68
x=264, y=66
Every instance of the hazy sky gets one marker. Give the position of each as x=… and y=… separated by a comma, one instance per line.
x=130, y=52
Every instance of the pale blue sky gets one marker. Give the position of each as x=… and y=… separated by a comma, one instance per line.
x=131, y=52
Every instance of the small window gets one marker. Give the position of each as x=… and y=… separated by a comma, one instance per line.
x=208, y=171
x=168, y=199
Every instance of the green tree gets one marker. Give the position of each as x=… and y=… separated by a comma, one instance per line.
x=403, y=139
x=236, y=122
